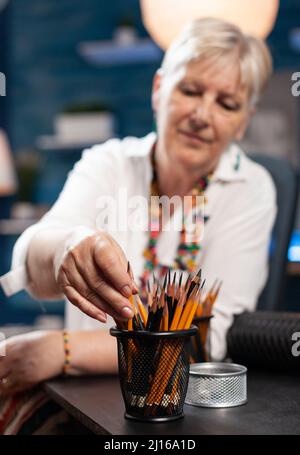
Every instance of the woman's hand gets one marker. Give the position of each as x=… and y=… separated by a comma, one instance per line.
x=93, y=276
x=30, y=359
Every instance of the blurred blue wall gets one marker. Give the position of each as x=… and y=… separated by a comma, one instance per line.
x=47, y=73
x=279, y=40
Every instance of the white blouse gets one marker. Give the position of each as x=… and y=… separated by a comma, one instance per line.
x=240, y=207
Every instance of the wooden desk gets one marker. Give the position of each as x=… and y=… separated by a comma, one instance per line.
x=273, y=408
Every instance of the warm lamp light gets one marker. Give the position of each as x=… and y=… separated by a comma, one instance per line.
x=165, y=18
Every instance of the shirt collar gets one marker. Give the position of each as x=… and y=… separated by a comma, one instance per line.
x=231, y=166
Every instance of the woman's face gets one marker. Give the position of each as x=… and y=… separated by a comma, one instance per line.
x=200, y=109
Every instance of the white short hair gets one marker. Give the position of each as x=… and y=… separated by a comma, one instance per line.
x=209, y=38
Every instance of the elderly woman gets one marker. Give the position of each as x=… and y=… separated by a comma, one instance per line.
x=203, y=97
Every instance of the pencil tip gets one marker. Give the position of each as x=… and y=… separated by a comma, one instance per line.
x=165, y=282
x=188, y=281
x=199, y=273
x=180, y=278
x=174, y=279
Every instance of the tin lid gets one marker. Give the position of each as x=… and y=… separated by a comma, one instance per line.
x=217, y=369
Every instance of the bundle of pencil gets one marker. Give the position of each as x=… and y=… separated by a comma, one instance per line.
x=171, y=306
x=199, y=348
x=154, y=372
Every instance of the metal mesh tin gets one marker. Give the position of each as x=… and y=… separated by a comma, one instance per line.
x=217, y=385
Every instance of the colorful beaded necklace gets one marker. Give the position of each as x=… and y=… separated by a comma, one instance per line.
x=187, y=250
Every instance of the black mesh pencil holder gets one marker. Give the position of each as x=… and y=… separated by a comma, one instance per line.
x=200, y=343
x=154, y=372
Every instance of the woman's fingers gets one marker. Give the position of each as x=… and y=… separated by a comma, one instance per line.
x=5, y=373
x=94, y=278
x=5, y=384
x=112, y=301
x=5, y=370
x=112, y=263
x=70, y=276
x=88, y=284
x=83, y=304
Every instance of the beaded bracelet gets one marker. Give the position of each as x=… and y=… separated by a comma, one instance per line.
x=67, y=361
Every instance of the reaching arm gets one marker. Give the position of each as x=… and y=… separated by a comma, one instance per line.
x=94, y=175
x=68, y=253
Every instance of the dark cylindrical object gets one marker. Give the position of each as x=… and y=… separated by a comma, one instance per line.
x=266, y=340
x=154, y=372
